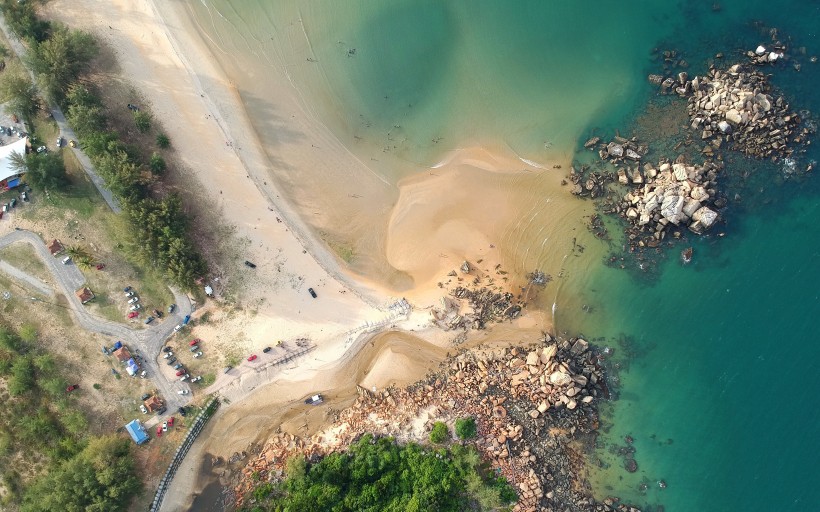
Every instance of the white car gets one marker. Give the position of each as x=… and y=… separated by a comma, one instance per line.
x=133, y=300
x=178, y=327
x=198, y=354
x=184, y=378
x=129, y=294
x=197, y=378
x=167, y=355
x=144, y=374
x=183, y=391
x=135, y=307
x=59, y=142
x=165, y=426
x=143, y=409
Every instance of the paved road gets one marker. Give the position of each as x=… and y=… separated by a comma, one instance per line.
x=65, y=130
x=146, y=342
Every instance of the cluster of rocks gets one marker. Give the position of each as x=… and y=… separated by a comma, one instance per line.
x=477, y=299
x=737, y=106
x=534, y=411
x=671, y=196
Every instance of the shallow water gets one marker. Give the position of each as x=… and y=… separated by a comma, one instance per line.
x=718, y=385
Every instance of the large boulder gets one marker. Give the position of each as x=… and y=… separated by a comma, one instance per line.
x=690, y=207
x=705, y=216
x=615, y=150
x=559, y=378
x=734, y=117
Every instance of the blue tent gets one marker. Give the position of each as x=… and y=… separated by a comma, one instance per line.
x=132, y=367
x=13, y=182
x=117, y=345
x=137, y=432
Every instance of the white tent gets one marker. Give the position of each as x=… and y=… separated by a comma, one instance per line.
x=6, y=170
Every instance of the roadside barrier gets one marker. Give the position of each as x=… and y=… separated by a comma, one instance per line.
x=190, y=437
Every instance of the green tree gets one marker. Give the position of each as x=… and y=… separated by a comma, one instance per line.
x=18, y=90
x=22, y=19
x=80, y=255
x=44, y=171
x=439, y=433
x=61, y=59
x=54, y=386
x=22, y=376
x=100, y=478
x=143, y=121
x=465, y=428
x=27, y=333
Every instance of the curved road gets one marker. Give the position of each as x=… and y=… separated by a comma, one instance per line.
x=147, y=342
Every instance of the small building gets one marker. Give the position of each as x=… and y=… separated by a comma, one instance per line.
x=132, y=367
x=122, y=354
x=85, y=294
x=55, y=247
x=137, y=432
x=9, y=175
x=153, y=404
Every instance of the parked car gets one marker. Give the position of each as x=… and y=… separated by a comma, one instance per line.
x=143, y=409
x=186, y=319
x=166, y=349
x=72, y=143
x=24, y=195
x=314, y=400
x=227, y=369
x=157, y=313
x=71, y=388
x=177, y=366
x=177, y=328
x=172, y=361
x=132, y=300
x=183, y=392
x=159, y=430
x=168, y=353
x=149, y=320
x=194, y=348
x=161, y=410
x=165, y=426
x=180, y=373
x=171, y=421
x=135, y=307
x=144, y=374
x=266, y=350
x=132, y=314
x=100, y=266
x=66, y=260
x=185, y=377
x=171, y=308
x=130, y=292
x=145, y=397
x=127, y=289
x=252, y=357
x=194, y=341
x=13, y=202
x=198, y=354
x=312, y=293
x=5, y=208
x=249, y=264
x=59, y=142
x=197, y=378
x=182, y=412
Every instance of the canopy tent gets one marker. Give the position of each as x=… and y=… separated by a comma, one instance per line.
x=6, y=169
x=137, y=432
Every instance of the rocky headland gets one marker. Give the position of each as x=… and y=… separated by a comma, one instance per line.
x=535, y=410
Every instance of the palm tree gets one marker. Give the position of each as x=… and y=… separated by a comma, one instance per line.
x=82, y=258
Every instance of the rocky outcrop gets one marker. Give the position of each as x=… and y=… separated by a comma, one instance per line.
x=534, y=408
x=739, y=107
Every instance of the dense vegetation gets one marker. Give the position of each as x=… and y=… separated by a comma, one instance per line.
x=59, y=57
x=380, y=475
x=43, y=433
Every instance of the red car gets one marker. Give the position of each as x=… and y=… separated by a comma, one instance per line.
x=194, y=341
x=132, y=314
x=180, y=372
x=100, y=266
x=251, y=358
x=171, y=421
x=71, y=388
x=159, y=430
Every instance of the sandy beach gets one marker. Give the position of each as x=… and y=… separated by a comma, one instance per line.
x=466, y=208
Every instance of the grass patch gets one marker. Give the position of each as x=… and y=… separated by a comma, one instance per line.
x=208, y=379
x=22, y=256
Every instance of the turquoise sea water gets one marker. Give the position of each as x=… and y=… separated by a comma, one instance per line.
x=720, y=387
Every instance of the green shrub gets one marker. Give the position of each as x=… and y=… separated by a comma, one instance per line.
x=439, y=434
x=465, y=428
x=157, y=164
x=142, y=120
x=163, y=141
